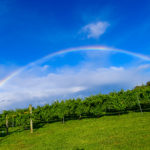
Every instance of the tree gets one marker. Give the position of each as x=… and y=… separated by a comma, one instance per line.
x=148, y=83
x=62, y=111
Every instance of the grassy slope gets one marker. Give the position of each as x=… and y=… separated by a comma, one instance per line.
x=124, y=132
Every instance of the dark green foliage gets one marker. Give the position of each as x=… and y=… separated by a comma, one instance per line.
x=92, y=106
x=148, y=83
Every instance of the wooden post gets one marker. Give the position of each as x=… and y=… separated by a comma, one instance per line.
x=139, y=104
x=80, y=116
x=7, y=124
x=31, y=123
x=12, y=121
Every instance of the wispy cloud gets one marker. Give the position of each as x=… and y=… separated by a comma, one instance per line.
x=145, y=66
x=95, y=30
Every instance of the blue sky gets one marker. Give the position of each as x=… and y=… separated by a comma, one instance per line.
x=30, y=30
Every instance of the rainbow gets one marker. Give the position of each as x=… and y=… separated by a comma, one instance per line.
x=2, y=82
x=86, y=48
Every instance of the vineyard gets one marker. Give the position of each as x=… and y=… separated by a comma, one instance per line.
x=114, y=103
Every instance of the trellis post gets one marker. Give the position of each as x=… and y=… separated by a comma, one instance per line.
x=31, y=122
x=7, y=126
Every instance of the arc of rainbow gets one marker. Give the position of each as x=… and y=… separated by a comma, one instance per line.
x=86, y=48
x=2, y=82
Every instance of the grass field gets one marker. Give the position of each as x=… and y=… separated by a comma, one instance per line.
x=125, y=132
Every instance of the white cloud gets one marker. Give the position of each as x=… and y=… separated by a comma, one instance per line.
x=95, y=30
x=117, y=68
x=66, y=83
x=145, y=66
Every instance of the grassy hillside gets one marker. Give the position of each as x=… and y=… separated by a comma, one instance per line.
x=125, y=132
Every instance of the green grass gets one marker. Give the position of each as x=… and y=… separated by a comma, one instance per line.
x=125, y=132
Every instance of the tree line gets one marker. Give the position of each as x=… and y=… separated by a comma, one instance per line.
x=137, y=99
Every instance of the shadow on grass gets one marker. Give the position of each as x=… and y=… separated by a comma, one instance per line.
x=73, y=117
x=77, y=148
x=4, y=135
x=3, y=132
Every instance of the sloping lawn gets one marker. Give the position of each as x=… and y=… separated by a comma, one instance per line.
x=124, y=132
